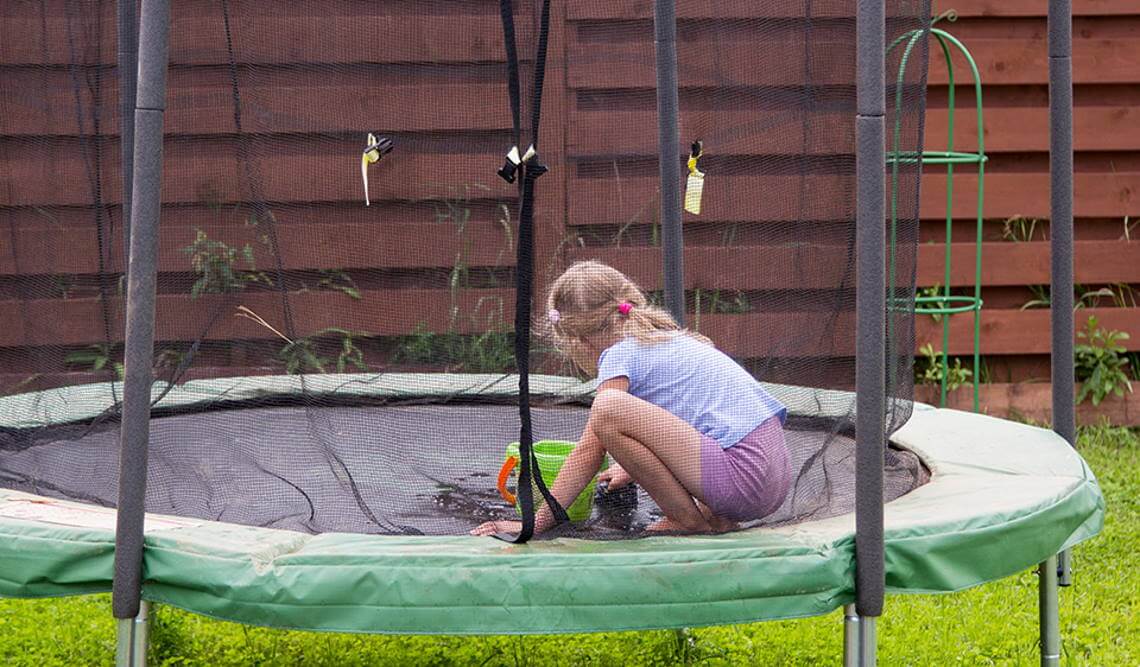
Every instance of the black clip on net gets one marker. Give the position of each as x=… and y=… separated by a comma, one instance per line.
x=378, y=148
x=510, y=167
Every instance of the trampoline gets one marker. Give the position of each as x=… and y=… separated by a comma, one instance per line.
x=992, y=498
x=295, y=400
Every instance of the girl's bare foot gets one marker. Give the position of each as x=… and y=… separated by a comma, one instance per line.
x=665, y=525
x=716, y=523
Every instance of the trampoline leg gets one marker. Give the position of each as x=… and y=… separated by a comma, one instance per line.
x=133, y=638
x=859, y=641
x=1049, y=614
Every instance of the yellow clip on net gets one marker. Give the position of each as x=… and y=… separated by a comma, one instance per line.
x=695, y=186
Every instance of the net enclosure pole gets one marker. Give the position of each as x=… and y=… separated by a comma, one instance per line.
x=870, y=317
x=134, y=435
x=128, y=44
x=1061, y=226
x=669, y=142
x=1055, y=571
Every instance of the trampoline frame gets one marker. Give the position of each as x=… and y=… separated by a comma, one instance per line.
x=994, y=483
x=870, y=551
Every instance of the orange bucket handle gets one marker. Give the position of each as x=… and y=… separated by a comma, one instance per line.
x=504, y=475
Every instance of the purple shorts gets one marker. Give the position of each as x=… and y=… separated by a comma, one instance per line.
x=750, y=479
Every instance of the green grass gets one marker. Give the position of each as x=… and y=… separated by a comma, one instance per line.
x=995, y=624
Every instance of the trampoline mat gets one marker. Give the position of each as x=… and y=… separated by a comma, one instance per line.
x=423, y=469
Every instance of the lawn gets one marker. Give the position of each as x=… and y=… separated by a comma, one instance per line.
x=995, y=624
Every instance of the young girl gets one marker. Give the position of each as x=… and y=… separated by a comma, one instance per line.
x=678, y=416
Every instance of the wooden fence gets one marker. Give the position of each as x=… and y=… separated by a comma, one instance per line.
x=50, y=250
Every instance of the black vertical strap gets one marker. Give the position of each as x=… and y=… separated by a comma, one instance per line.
x=506, y=13
x=524, y=265
x=539, y=78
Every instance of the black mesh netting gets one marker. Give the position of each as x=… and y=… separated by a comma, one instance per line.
x=271, y=264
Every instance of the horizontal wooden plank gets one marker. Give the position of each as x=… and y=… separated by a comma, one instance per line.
x=825, y=334
x=1026, y=61
x=1007, y=129
x=991, y=8
x=1014, y=264
x=629, y=62
x=619, y=201
x=749, y=198
x=394, y=312
x=1021, y=331
x=425, y=245
x=1097, y=195
x=633, y=200
x=17, y=383
x=735, y=9
x=1020, y=129
x=1034, y=400
x=181, y=318
x=200, y=101
x=198, y=169
x=272, y=38
x=804, y=266
x=707, y=9
x=729, y=132
x=304, y=246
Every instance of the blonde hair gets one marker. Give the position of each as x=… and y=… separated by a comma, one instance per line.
x=587, y=301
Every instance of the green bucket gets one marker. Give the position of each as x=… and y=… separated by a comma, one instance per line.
x=551, y=454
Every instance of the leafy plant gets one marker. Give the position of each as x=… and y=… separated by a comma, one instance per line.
x=456, y=207
x=1102, y=366
x=719, y=302
x=340, y=282
x=95, y=358
x=929, y=293
x=1042, y=297
x=1121, y=295
x=1020, y=229
x=305, y=354
x=216, y=264
x=476, y=340
x=486, y=352
x=62, y=286
x=489, y=350
x=714, y=302
x=928, y=369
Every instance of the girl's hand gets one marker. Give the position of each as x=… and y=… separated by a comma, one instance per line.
x=615, y=477
x=492, y=527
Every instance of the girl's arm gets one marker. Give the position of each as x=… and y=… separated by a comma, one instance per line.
x=576, y=472
x=579, y=468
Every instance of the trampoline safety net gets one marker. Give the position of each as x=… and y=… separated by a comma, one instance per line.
x=335, y=338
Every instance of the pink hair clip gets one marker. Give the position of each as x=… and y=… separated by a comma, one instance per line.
x=554, y=315
x=625, y=307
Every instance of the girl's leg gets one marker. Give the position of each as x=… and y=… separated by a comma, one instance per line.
x=659, y=450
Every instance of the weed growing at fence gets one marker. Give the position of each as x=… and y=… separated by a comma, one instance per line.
x=1020, y=229
x=928, y=369
x=306, y=355
x=216, y=264
x=1102, y=367
x=95, y=358
x=339, y=281
x=484, y=345
x=475, y=340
